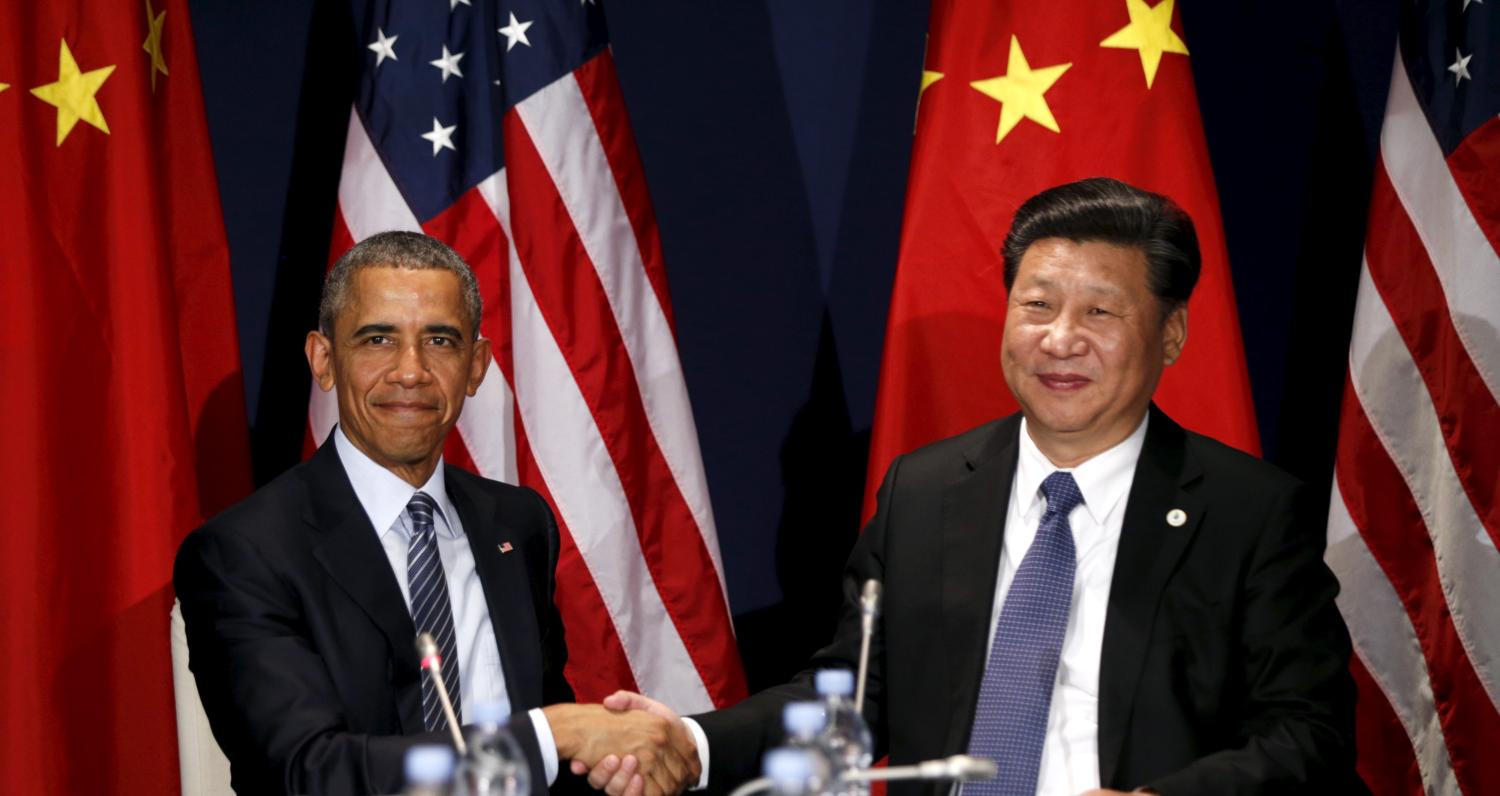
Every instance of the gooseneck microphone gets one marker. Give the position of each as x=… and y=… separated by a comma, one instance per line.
x=960, y=768
x=869, y=608
x=432, y=663
x=797, y=782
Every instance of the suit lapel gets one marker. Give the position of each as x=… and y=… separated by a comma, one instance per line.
x=973, y=528
x=1150, y=548
x=348, y=548
x=506, y=589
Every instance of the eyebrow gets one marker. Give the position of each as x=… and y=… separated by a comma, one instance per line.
x=1107, y=290
x=374, y=328
x=444, y=329
x=390, y=328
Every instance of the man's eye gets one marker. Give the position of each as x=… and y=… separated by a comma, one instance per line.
x=440, y=341
x=1099, y=311
x=1037, y=303
x=377, y=339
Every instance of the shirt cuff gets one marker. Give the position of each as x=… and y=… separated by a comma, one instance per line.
x=546, y=744
x=702, y=742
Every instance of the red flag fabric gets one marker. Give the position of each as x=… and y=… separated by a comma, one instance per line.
x=125, y=410
x=1414, y=517
x=1016, y=98
x=522, y=159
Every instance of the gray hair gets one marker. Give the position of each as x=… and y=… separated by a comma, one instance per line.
x=397, y=249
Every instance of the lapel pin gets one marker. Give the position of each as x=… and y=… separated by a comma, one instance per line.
x=1176, y=518
x=506, y=548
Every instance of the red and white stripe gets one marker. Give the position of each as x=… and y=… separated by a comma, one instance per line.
x=1414, y=518
x=564, y=245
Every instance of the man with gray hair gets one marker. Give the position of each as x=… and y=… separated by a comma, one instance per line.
x=302, y=602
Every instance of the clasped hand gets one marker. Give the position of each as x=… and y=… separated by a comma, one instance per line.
x=629, y=746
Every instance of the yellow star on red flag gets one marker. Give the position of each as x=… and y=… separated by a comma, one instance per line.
x=928, y=78
x=152, y=45
x=73, y=94
x=1021, y=92
x=1149, y=32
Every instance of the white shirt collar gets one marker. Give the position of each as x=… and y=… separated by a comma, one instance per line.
x=1102, y=479
x=384, y=495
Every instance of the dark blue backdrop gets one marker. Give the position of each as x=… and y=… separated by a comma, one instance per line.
x=775, y=136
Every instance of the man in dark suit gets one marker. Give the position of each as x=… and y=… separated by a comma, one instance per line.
x=1084, y=591
x=303, y=601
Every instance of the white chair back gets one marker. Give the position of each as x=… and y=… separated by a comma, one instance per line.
x=205, y=769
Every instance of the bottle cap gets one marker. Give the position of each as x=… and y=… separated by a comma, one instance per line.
x=803, y=718
x=788, y=769
x=429, y=764
x=835, y=681
x=486, y=713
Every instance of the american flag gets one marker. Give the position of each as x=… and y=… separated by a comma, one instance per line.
x=1414, y=518
x=500, y=129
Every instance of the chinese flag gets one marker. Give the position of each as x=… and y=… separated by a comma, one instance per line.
x=123, y=407
x=1016, y=98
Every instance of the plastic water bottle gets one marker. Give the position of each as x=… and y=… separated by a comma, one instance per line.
x=804, y=721
x=789, y=770
x=429, y=770
x=845, y=736
x=494, y=764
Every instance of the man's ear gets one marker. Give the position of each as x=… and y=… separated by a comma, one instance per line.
x=479, y=364
x=319, y=350
x=1174, y=334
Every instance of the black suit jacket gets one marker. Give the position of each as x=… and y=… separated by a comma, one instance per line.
x=302, y=645
x=1224, y=661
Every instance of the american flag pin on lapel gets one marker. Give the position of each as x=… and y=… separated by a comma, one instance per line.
x=505, y=547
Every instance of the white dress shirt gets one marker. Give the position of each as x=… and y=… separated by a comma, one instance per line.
x=384, y=495
x=1070, y=751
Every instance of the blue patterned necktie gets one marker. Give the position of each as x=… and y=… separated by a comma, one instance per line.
x=1010, y=722
x=430, y=610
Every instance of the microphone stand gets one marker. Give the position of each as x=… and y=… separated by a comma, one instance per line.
x=869, y=608
x=961, y=768
x=432, y=663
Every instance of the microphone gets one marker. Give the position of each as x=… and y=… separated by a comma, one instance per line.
x=960, y=768
x=432, y=663
x=795, y=778
x=869, y=608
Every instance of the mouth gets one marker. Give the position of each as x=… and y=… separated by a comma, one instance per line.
x=406, y=407
x=1064, y=382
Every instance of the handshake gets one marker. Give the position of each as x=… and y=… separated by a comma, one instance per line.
x=629, y=745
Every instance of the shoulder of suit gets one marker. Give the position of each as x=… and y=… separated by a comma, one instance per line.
x=270, y=516
x=285, y=494
x=510, y=495
x=468, y=480
x=1228, y=463
x=969, y=444
x=956, y=454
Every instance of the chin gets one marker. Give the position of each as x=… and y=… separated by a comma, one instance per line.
x=1060, y=422
x=408, y=448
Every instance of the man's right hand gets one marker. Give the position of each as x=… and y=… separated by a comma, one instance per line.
x=649, y=753
x=617, y=776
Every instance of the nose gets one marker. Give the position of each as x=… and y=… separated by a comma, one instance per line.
x=1064, y=338
x=411, y=366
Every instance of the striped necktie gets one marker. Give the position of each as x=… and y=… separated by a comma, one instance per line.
x=1010, y=720
x=430, y=610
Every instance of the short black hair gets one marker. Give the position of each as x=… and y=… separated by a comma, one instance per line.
x=412, y=251
x=1104, y=210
